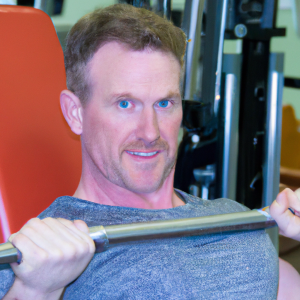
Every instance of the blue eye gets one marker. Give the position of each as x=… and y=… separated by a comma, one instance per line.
x=163, y=103
x=124, y=104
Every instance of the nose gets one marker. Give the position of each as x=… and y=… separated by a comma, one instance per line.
x=148, y=127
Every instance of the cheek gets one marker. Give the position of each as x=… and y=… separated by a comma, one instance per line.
x=169, y=129
x=117, y=131
x=95, y=135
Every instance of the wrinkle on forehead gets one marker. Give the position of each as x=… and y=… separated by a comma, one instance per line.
x=113, y=60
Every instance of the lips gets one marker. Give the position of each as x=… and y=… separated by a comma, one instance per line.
x=142, y=154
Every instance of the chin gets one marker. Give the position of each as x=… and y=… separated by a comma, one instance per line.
x=141, y=181
x=145, y=187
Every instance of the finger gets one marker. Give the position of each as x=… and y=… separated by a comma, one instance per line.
x=31, y=253
x=297, y=192
x=12, y=236
x=279, y=210
x=81, y=226
x=43, y=235
x=295, y=202
x=285, y=200
x=81, y=230
x=280, y=204
x=56, y=238
x=63, y=228
x=69, y=232
x=288, y=199
x=58, y=241
x=288, y=223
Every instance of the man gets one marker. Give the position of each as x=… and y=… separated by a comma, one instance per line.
x=123, y=69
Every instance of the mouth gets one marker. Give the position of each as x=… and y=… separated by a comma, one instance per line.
x=143, y=154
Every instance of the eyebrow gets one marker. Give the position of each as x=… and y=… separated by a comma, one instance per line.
x=170, y=95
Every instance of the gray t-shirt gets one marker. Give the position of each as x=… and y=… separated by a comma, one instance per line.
x=240, y=265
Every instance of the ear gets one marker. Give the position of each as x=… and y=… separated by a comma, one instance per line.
x=72, y=110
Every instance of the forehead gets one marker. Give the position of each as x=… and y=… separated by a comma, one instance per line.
x=115, y=68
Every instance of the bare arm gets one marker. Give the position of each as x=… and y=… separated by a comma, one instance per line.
x=289, y=282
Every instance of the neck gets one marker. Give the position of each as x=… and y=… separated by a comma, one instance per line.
x=101, y=190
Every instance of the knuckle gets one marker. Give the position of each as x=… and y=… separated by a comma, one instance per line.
x=18, y=238
x=65, y=221
x=82, y=223
x=12, y=237
x=57, y=254
x=71, y=250
x=83, y=248
x=77, y=251
x=27, y=230
x=91, y=245
x=48, y=220
x=42, y=256
x=33, y=222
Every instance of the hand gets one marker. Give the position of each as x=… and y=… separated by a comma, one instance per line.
x=54, y=253
x=288, y=223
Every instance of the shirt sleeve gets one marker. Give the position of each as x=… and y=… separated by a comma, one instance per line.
x=7, y=278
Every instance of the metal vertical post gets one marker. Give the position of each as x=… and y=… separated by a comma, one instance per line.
x=271, y=163
x=219, y=58
x=192, y=22
x=137, y=3
x=45, y=5
x=232, y=72
x=162, y=8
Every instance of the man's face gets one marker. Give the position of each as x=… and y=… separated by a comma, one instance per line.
x=132, y=119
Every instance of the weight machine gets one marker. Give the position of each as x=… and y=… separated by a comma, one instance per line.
x=232, y=102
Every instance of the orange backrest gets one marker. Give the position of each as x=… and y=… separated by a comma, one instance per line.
x=40, y=159
x=290, y=139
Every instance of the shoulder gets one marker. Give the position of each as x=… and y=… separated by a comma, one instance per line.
x=251, y=254
x=91, y=213
x=66, y=207
x=217, y=206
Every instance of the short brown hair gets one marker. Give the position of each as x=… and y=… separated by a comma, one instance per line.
x=137, y=28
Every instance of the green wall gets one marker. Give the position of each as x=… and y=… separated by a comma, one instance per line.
x=290, y=46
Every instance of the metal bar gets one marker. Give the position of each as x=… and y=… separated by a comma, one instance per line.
x=232, y=69
x=252, y=124
x=296, y=15
x=220, y=58
x=292, y=82
x=192, y=22
x=210, y=40
x=269, y=14
x=230, y=87
x=45, y=5
x=114, y=234
x=137, y=3
x=188, y=227
x=271, y=163
x=9, y=254
x=162, y=8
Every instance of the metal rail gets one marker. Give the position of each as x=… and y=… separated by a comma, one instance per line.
x=107, y=236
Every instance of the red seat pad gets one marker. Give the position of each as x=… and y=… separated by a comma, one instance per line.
x=40, y=159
